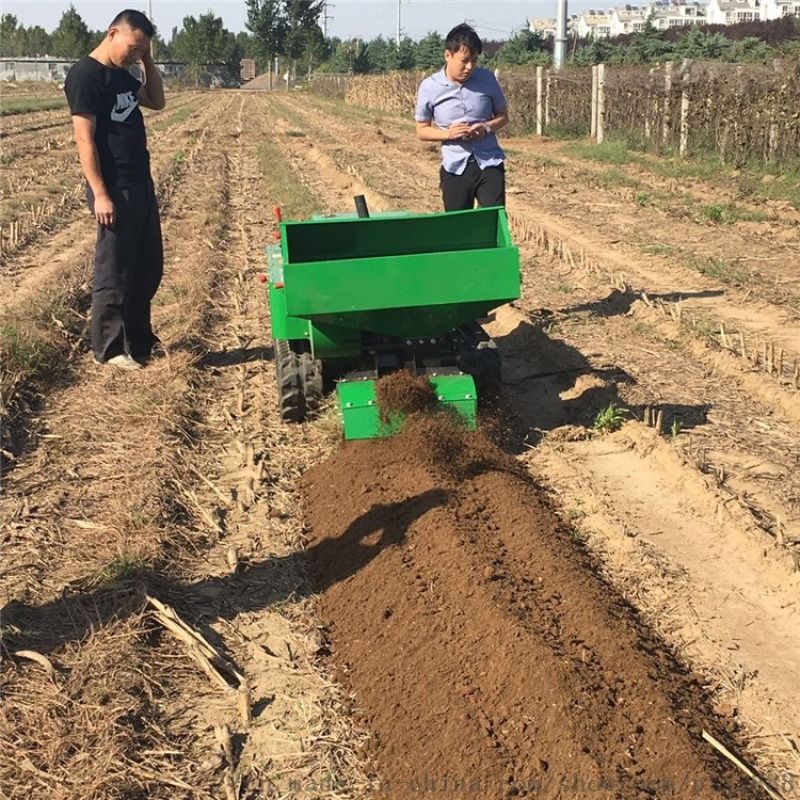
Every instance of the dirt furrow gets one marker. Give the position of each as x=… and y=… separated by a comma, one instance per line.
x=211, y=524
x=18, y=124
x=99, y=505
x=485, y=656
x=48, y=195
x=252, y=588
x=70, y=238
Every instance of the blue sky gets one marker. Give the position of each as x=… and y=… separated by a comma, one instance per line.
x=365, y=18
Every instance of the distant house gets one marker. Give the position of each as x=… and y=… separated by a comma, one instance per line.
x=593, y=25
x=665, y=15
x=628, y=19
x=775, y=9
x=731, y=12
x=247, y=69
x=544, y=26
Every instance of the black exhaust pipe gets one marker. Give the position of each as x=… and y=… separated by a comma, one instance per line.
x=361, y=205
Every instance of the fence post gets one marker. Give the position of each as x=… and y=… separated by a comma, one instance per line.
x=539, y=70
x=772, y=143
x=547, y=100
x=667, y=122
x=687, y=65
x=736, y=127
x=593, y=128
x=601, y=102
x=647, y=123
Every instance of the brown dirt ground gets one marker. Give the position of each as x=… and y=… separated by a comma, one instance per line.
x=485, y=655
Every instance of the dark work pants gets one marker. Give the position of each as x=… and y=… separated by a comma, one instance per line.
x=487, y=186
x=128, y=265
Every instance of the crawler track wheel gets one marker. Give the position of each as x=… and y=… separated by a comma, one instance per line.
x=299, y=380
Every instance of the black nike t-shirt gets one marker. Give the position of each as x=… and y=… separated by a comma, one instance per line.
x=109, y=95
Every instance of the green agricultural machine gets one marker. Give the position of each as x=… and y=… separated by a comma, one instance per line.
x=356, y=297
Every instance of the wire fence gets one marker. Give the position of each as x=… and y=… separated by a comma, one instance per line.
x=746, y=114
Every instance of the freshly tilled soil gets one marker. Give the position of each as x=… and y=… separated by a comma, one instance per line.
x=403, y=393
x=485, y=655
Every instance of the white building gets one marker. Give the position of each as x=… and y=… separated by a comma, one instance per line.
x=730, y=12
x=593, y=25
x=544, y=26
x=628, y=19
x=666, y=15
x=775, y=9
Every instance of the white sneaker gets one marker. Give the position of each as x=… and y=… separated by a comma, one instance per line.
x=122, y=361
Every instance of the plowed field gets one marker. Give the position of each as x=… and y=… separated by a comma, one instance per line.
x=593, y=597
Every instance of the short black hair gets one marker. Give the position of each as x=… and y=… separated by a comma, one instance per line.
x=463, y=36
x=136, y=20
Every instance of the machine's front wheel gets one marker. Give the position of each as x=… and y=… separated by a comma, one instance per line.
x=299, y=382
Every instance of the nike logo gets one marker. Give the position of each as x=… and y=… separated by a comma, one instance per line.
x=124, y=107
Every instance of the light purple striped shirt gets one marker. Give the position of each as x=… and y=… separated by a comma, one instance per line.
x=478, y=99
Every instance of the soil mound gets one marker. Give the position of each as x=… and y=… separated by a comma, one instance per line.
x=404, y=393
x=486, y=657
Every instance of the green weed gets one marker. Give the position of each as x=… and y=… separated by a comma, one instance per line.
x=610, y=418
x=728, y=213
x=122, y=567
x=290, y=193
x=658, y=249
x=29, y=350
x=719, y=269
x=577, y=510
x=24, y=105
x=713, y=213
x=180, y=115
x=611, y=151
x=615, y=178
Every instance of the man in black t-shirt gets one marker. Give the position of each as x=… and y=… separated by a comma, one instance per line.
x=104, y=100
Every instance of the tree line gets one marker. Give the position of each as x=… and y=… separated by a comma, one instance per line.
x=290, y=30
x=284, y=28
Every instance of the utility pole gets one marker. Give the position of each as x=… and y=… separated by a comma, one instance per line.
x=560, y=43
x=397, y=38
x=150, y=17
x=325, y=16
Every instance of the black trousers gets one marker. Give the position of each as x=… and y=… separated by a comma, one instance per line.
x=487, y=186
x=128, y=267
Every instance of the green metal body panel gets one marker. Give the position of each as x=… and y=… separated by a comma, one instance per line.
x=404, y=296
x=403, y=275
x=362, y=418
x=283, y=326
